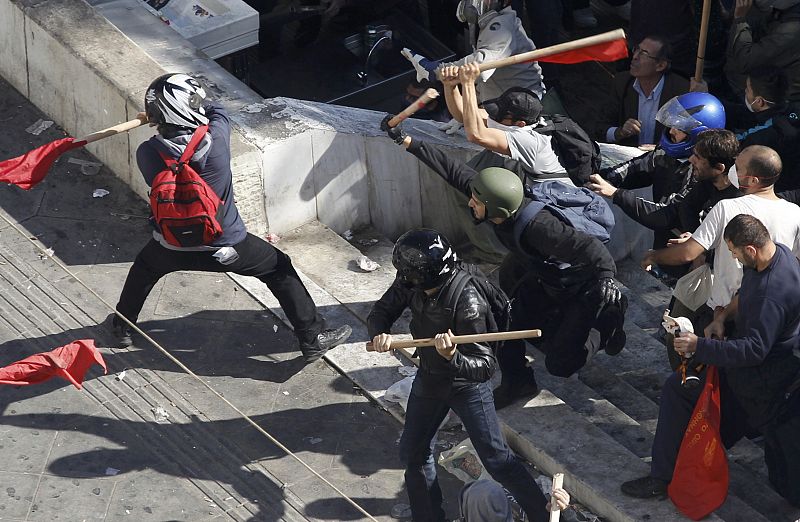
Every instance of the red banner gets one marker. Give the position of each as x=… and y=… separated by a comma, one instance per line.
x=604, y=52
x=70, y=362
x=700, y=480
x=29, y=169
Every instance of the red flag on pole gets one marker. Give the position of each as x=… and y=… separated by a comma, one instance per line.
x=602, y=52
x=29, y=169
x=70, y=362
x=700, y=480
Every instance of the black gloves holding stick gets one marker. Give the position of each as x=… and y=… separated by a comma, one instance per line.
x=395, y=133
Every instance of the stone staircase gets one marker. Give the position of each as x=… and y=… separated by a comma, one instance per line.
x=596, y=427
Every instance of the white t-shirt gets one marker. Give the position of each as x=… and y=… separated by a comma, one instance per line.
x=781, y=218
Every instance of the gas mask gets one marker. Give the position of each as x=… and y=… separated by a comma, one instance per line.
x=468, y=11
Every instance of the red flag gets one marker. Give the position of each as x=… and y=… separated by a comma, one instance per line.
x=29, y=169
x=700, y=480
x=602, y=52
x=70, y=362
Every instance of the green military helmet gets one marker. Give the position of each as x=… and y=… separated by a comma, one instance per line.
x=500, y=190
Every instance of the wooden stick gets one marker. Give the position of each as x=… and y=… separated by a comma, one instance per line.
x=701, y=44
x=462, y=339
x=558, y=483
x=534, y=55
x=116, y=129
x=419, y=103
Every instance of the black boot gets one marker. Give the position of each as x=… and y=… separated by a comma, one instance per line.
x=326, y=340
x=122, y=331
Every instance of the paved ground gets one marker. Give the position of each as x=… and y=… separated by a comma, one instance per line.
x=107, y=452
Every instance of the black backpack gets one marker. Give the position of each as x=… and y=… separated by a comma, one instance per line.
x=498, y=301
x=782, y=447
x=576, y=151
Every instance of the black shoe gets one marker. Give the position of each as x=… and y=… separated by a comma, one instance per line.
x=326, y=340
x=617, y=338
x=507, y=393
x=122, y=331
x=645, y=487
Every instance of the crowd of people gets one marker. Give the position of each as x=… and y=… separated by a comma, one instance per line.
x=723, y=168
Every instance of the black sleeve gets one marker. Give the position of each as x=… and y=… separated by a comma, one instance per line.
x=472, y=361
x=550, y=237
x=457, y=174
x=681, y=210
x=651, y=215
x=387, y=309
x=635, y=173
x=792, y=196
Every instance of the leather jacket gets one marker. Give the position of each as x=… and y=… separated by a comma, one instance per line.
x=472, y=363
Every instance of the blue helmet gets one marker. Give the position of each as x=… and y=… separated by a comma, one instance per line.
x=691, y=113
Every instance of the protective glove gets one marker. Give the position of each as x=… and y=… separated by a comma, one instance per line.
x=609, y=291
x=422, y=65
x=451, y=127
x=395, y=133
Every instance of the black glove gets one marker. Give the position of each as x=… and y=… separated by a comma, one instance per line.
x=609, y=291
x=396, y=133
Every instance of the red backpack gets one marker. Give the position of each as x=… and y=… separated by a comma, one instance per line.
x=186, y=210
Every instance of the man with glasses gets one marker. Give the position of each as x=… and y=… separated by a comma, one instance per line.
x=637, y=95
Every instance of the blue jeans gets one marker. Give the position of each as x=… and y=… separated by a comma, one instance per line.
x=474, y=405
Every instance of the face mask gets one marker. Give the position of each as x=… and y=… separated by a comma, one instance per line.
x=733, y=176
x=748, y=104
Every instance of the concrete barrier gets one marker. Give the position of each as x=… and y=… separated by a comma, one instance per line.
x=293, y=161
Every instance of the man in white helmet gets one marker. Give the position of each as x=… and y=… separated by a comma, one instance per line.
x=499, y=34
x=177, y=105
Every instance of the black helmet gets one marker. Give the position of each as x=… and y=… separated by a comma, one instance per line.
x=423, y=258
x=175, y=99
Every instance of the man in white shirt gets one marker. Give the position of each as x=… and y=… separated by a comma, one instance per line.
x=757, y=169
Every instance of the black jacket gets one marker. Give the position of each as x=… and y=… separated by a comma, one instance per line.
x=666, y=174
x=546, y=242
x=779, y=129
x=683, y=210
x=472, y=362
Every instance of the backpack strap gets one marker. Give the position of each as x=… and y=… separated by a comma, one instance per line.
x=524, y=217
x=188, y=152
x=457, y=285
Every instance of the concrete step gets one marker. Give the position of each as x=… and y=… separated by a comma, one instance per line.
x=48, y=318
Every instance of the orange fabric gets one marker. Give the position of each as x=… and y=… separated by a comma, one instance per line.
x=700, y=480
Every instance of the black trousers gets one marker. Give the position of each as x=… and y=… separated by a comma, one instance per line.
x=574, y=327
x=257, y=258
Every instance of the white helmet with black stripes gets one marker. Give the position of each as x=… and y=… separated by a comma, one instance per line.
x=175, y=99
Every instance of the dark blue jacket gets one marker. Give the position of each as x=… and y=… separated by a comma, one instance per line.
x=214, y=167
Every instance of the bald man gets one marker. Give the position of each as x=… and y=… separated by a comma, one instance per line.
x=757, y=168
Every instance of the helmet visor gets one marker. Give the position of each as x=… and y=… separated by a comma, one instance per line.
x=673, y=114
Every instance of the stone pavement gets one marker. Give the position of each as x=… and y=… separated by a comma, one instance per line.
x=155, y=444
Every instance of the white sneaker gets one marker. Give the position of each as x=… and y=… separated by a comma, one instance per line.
x=584, y=18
